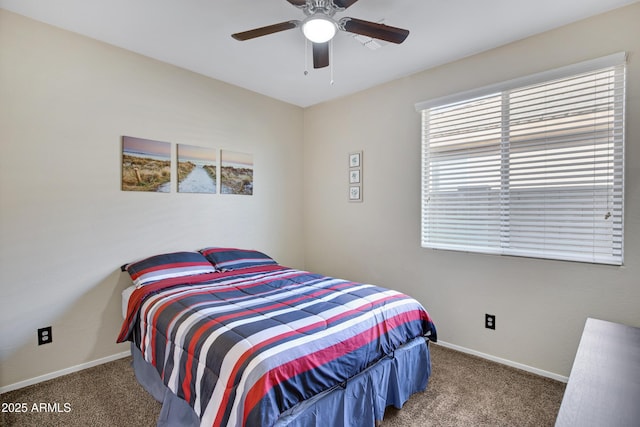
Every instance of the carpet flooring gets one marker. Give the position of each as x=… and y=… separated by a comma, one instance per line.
x=463, y=391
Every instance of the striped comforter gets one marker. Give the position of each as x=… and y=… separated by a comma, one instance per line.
x=242, y=347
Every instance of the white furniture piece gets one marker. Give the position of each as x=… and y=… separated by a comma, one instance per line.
x=604, y=384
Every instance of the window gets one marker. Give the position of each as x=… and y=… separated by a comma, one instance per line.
x=530, y=167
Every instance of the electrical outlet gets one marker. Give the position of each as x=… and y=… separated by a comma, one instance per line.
x=44, y=335
x=490, y=321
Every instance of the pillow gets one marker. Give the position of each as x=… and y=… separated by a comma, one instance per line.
x=166, y=266
x=232, y=259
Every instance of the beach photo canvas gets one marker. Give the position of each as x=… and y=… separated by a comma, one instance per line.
x=236, y=173
x=197, y=169
x=146, y=165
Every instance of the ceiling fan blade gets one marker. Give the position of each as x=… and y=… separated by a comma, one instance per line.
x=320, y=55
x=298, y=3
x=344, y=3
x=263, y=31
x=373, y=30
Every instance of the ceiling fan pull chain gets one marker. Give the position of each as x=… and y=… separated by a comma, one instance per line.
x=331, y=60
x=306, y=57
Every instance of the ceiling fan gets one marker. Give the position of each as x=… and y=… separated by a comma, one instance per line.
x=319, y=27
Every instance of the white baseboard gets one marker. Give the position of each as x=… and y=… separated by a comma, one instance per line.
x=505, y=362
x=65, y=371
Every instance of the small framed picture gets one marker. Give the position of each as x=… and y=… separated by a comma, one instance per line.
x=355, y=159
x=354, y=176
x=355, y=195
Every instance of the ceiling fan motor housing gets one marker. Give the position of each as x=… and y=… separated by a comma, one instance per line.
x=326, y=7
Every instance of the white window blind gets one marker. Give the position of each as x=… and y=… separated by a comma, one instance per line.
x=531, y=167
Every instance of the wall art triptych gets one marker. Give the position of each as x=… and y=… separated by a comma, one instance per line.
x=146, y=166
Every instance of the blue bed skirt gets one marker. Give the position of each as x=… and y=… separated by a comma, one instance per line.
x=359, y=403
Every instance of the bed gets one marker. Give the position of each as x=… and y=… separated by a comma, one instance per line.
x=228, y=337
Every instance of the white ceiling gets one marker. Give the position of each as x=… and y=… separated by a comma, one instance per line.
x=195, y=34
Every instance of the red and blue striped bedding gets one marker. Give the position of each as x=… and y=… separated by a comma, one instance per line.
x=241, y=347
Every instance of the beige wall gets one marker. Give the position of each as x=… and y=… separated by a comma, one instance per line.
x=65, y=226
x=540, y=305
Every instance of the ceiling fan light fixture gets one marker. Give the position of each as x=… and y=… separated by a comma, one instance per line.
x=319, y=28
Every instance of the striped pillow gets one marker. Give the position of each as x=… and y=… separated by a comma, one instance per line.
x=166, y=266
x=232, y=259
